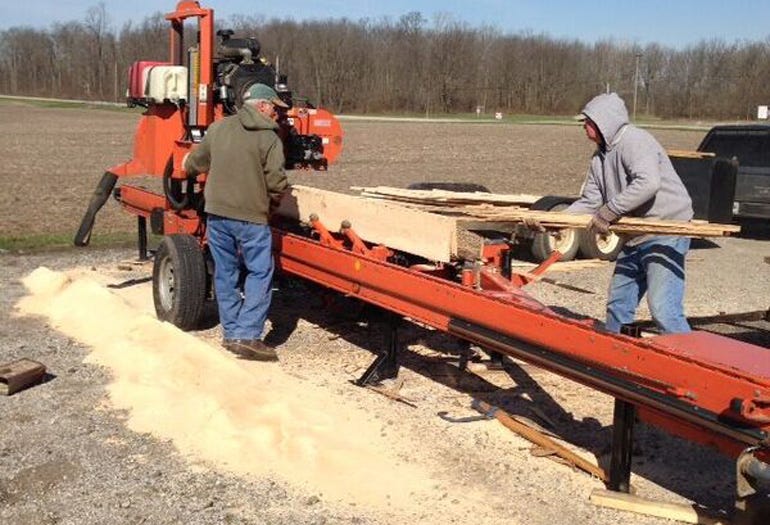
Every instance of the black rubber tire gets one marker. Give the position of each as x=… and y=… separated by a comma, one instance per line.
x=568, y=239
x=604, y=247
x=179, y=281
x=448, y=186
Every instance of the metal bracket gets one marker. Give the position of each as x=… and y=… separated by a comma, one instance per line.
x=752, y=505
x=386, y=364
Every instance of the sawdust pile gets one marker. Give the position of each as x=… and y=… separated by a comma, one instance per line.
x=242, y=417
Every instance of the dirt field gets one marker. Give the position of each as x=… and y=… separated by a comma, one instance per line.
x=77, y=449
x=53, y=158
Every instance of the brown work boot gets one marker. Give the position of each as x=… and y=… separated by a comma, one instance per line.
x=251, y=349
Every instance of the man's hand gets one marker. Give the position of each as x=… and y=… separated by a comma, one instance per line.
x=534, y=225
x=601, y=220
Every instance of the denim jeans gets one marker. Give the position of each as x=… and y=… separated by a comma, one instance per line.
x=655, y=267
x=235, y=245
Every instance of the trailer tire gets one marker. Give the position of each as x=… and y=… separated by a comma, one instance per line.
x=597, y=246
x=179, y=281
x=567, y=241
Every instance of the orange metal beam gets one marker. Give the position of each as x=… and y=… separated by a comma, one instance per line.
x=693, y=372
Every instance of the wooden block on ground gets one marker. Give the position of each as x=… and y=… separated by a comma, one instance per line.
x=134, y=264
x=671, y=511
x=17, y=375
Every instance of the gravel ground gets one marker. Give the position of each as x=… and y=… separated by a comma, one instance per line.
x=68, y=458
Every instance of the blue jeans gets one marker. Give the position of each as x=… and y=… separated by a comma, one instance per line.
x=235, y=244
x=655, y=267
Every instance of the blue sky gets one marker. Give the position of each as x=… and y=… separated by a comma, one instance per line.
x=674, y=23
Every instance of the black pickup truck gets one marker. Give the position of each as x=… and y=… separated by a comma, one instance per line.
x=749, y=144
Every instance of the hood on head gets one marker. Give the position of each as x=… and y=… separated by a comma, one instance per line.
x=609, y=113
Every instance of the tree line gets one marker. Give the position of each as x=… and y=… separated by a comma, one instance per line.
x=410, y=65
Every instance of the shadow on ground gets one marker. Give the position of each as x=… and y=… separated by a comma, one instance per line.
x=663, y=459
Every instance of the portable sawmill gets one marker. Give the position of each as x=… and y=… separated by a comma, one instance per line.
x=704, y=387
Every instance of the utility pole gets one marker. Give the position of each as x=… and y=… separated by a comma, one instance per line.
x=636, y=80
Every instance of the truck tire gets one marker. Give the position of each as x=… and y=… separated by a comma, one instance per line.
x=179, y=281
x=597, y=246
x=566, y=240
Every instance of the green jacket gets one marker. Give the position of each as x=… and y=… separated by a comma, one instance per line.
x=244, y=160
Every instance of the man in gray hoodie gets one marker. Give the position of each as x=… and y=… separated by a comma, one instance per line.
x=631, y=175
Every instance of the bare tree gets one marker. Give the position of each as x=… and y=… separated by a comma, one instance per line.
x=407, y=65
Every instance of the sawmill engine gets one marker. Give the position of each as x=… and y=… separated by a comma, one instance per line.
x=237, y=66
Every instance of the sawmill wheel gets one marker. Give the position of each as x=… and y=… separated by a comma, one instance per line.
x=600, y=246
x=179, y=281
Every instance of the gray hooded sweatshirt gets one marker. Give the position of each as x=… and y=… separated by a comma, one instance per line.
x=631, y=173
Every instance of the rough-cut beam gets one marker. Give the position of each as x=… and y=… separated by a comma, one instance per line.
x=413, y=231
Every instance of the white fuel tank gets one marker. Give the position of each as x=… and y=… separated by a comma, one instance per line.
x=166, y=84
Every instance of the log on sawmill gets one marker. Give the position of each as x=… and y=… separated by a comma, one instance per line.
x=454, y=235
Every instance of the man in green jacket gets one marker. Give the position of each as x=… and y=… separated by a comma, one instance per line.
x=244, y=159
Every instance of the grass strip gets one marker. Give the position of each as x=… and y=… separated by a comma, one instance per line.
x=21, y=244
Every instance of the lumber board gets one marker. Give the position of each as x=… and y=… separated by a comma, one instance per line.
x=564, y=266
x=682, y=153
x=428, y=235
x=671, y=511
x=539, y=438
x=445, y=196
x=625, y=225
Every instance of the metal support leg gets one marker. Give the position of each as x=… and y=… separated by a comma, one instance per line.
x=622, y=444
x=464, y=348
x=141, y=228
x=385, y=366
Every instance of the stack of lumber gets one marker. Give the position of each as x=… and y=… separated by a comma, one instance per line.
x=441, y=233
x=445, y=198
x=625, y=225
x=500, y=208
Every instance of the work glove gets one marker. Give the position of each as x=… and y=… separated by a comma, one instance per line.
x=601, y=220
